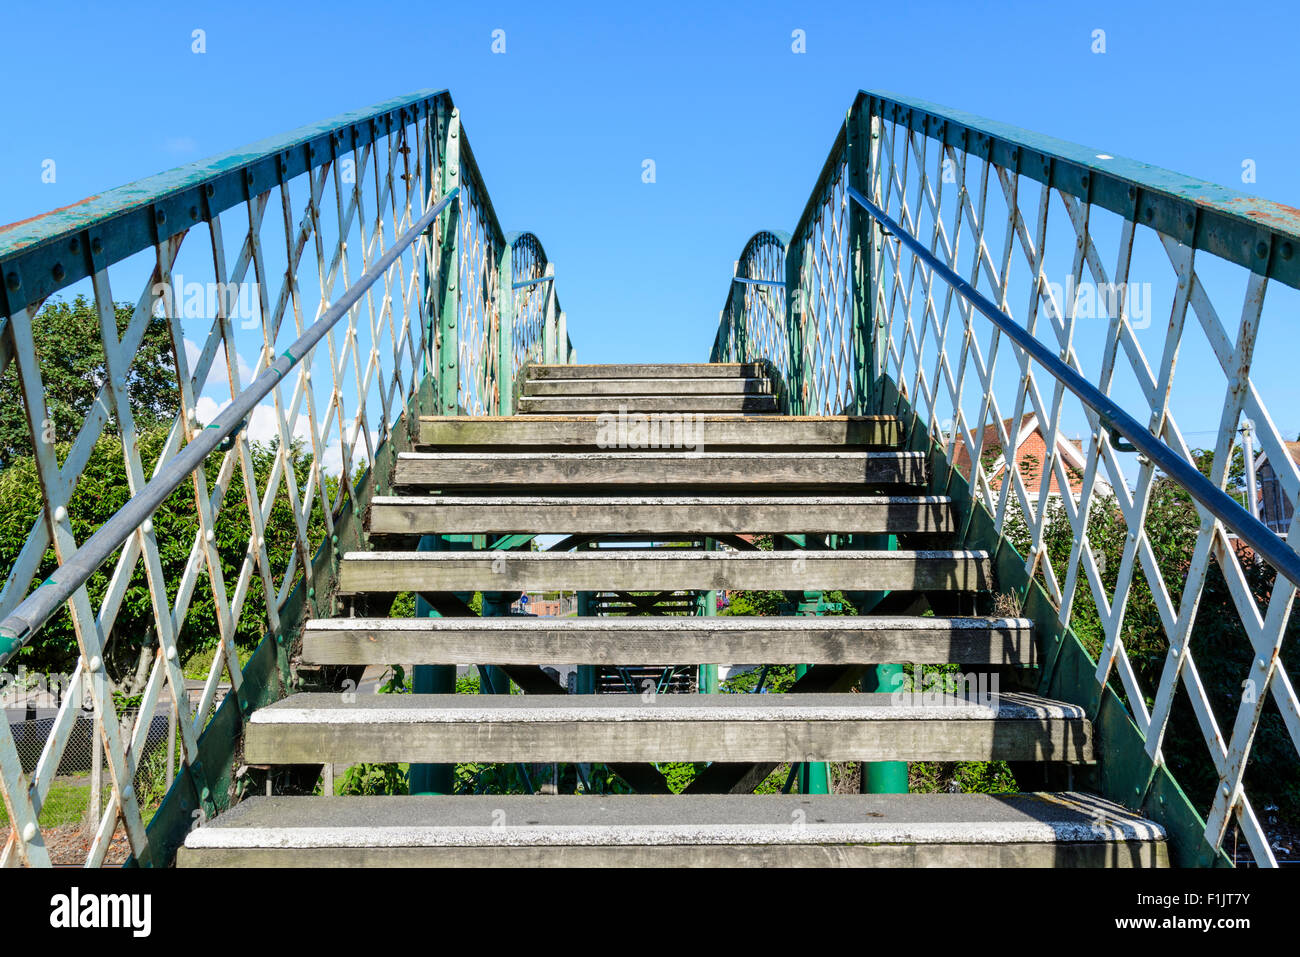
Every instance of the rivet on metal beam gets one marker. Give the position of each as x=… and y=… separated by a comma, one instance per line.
x=11, y=280
x=58, y=272
x=1262, y=250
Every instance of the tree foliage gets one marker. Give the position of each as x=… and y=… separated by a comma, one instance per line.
x=1220, y=647
x=70, y=352
x=101, y=491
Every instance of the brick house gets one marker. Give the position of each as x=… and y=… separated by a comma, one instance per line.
x=544, y=607
x=1029, y=456
x=1275, y=509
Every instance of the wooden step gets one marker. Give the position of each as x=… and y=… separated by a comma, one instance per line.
x=519, y=432
x=667, y=569
x=330, y=727
x=546, y=471
x=588, y=405
x=636, y=370
x=812, y=640
x=856, y=830
x=657, y=515
x=657, y=386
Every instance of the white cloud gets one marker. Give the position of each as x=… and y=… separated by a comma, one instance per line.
x=217, y=376
x=262, y=427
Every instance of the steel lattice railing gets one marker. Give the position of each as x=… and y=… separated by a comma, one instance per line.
x=540, y=327
x=986, y=282
x=752, y=323
x=361, y=261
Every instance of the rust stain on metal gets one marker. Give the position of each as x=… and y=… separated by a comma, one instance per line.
x=1272, y=214
x=51, y=212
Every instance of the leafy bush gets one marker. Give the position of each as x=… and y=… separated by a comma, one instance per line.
x=1220, y=647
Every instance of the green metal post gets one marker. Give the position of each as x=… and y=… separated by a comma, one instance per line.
x=814, y=776
x=496, y=604
x=549, y=318
x=878, y=777
x=448, y=347
x=707, y=682
x=435, y=679
x=586, y=681
x=795, y=314
x=865, y=373
x=505, y=344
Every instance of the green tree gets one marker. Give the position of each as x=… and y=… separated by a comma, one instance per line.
x=1220, y=646
x=100, y=492
x=70, y=353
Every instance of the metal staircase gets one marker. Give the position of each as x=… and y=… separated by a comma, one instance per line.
x=413, y=421
x=815, y=484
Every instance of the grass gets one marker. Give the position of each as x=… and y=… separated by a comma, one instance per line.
x=197, y=665
x=65, y=803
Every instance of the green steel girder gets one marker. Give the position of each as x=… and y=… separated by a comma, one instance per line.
x=42, y=255
x=1261, y=235
x=446, y=340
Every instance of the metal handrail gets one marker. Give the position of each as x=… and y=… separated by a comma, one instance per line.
x=1112, y=417
x=1258, y=234
x=38, y=607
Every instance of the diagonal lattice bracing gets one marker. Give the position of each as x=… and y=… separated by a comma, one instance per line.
x=1155, y=295
x=317, y=267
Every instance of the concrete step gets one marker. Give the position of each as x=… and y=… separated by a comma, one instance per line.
x=328, y=727
x=656, y=386
x=657, y=514
x=653, y=470
x=699, y=640
x=883, y=830
x=519, y=432
x=665, y=569
x=590, y=405
x=637, y=370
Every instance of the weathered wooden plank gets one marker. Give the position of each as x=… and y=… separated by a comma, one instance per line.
x=638, y=640
x=665, y=570
x=303, y=728
x=657, y=515
x=809, y=433
x=556, y=470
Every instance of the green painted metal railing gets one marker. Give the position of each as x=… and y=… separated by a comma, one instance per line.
x=383, y=249
x=913, y=195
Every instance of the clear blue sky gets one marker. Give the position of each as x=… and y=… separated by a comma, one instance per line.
x=737, y=124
